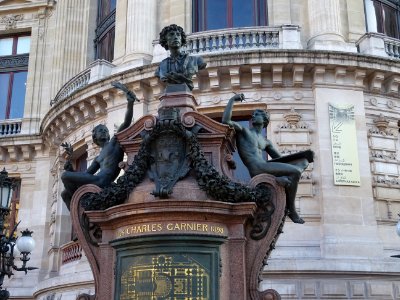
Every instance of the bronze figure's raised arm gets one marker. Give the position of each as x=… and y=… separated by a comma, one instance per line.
x=106, y=163
x=179, y=67
x=251, y=143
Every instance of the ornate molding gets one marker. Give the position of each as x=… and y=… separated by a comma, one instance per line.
x=386, y=180
x=105, y=25
x=14, y=61
x=11, y=20
x=384, y=155
x=292, y=119
x=381, y=126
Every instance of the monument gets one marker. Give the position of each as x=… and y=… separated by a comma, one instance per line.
x=176, y=225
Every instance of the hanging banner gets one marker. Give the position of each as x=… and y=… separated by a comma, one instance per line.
x=346, y=169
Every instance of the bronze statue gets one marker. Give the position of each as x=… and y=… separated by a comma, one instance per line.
x=179, y=67
x=106, y=162
x=250, y=144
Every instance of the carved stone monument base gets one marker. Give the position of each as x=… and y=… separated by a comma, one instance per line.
x=184, y=248
x=176, y=225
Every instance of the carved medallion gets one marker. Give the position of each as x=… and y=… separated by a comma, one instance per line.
x=169, y=155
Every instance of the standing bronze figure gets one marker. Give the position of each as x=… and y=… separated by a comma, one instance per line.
x=251, y=143
x=106, y=162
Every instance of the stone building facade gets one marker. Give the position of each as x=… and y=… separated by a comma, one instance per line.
x=294, y=58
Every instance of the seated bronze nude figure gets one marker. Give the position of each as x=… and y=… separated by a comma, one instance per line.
x=251, y=143
x=179, y=67
x=106, y=163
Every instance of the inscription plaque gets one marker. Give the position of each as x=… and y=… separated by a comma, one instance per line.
x=344, y=145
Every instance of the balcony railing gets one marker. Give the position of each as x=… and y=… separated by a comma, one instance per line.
x=237, y=39
x=97, y=70
x=378, y=44
x=74, y=84
x=10, y=127
x=233, y=39
x=392, y=47
x=70, y=252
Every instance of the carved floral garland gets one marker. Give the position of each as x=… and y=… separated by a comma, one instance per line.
x=217, y=186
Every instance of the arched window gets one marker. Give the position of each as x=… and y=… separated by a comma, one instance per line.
x=218, y=14
x=387, y=17
x=105, y=30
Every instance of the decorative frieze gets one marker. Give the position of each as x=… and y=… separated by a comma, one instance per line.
x=14, y=61
x=381, y=127
x=293, y=131
x=11, y=20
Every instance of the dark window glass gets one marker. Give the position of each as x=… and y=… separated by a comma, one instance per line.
x=106, y=46
x=243, y=13
x=18, y=95
x=387, y=17
x=390, y=21
x=13, y=78
x=219, y=14
x=105, y=8
x=4, y=83
x=216, y=14
x=81, y=163
x=105, y=30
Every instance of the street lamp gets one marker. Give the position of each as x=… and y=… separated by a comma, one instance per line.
x=24, y=244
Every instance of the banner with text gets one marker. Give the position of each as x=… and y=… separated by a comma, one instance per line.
x=346, y=169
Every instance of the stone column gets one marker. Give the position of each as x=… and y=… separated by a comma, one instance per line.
x=281, y=12
x=136, y=31
x=70, y=49
x=325, y=26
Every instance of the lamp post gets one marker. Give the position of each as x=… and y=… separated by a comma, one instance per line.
x=24, y=244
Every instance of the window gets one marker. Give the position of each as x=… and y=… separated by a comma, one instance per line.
x=218, y=14
x=105, y=30
x=14, y=57
x=387, y=17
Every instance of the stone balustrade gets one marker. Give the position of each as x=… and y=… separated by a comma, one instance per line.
x=237, y=39
x=378, y=44
x=70, y=252
x=392, y=47
x=76, y=83
x=233, y=39
x=10, y=127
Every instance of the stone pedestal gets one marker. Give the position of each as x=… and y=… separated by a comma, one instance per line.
x=187, y=240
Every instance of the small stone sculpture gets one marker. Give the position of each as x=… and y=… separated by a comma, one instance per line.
x=106, y=162
x=178, y=68
x=251, y=143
